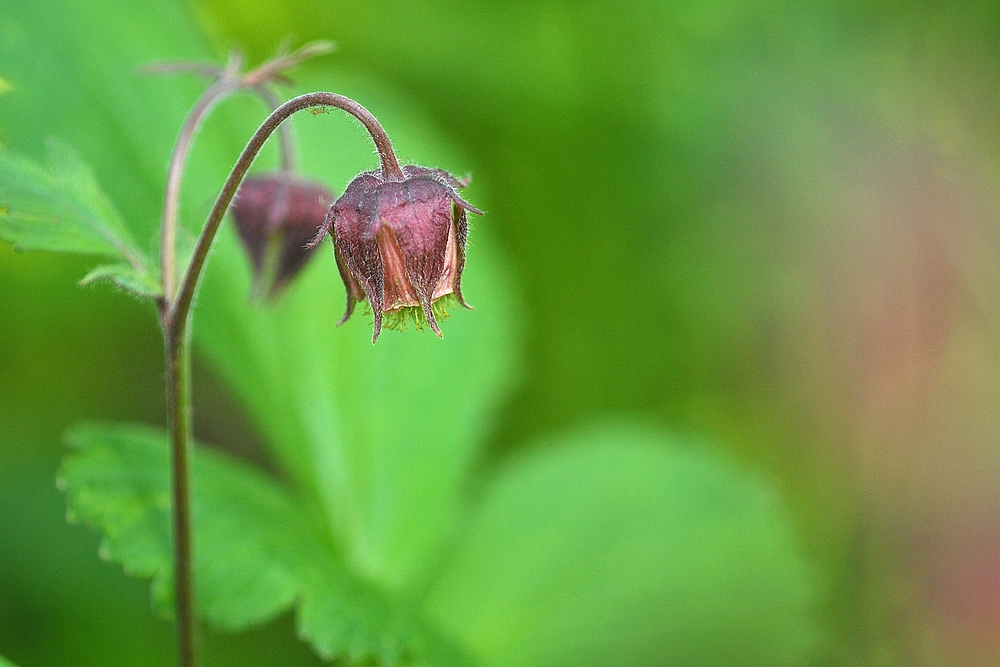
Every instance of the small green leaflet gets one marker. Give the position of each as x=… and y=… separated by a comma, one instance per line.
x=61, y=208
x=125, y=277
x=3, y=661
x=258, y=550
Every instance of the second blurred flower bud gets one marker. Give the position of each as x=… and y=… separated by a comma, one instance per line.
x=277, y=215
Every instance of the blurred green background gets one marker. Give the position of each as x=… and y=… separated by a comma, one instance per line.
x=770, y=227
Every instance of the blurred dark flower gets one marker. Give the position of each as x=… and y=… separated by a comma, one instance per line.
x=401, y=245
x=277, y=215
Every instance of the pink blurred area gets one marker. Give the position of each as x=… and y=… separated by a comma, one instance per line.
x=904, y=316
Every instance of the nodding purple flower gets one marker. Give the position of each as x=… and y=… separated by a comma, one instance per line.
x=277, y=215
x=401, y=244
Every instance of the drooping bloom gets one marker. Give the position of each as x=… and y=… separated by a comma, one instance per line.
x=401, y=244
x=277, y=215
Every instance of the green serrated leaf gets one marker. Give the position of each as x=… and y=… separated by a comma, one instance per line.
x=124, y=276
x=60, y=208
x=248, y=532
x=621, y=547
x=346, y=617
x=257, y=553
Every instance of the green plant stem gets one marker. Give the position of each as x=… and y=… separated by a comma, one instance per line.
x=178, y=364
x=175, y=313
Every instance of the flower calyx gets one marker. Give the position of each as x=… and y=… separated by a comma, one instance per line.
x=400, y=244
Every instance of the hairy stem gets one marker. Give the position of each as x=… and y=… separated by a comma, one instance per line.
x=225, y=86
x=287, y=143
x=179, y=417
x=171, y=200
x=176, y=319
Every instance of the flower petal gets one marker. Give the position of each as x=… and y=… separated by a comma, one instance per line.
x=419, y=213
x=351, y=286
x=354, y=214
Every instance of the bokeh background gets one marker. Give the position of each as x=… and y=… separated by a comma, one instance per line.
x=770, y=226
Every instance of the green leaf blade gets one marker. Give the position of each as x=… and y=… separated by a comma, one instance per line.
x=59, y=209
x=257, y=553
x=618, y=547
x=248, y=532
x=63, y=209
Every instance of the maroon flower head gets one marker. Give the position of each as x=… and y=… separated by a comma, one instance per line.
x=401, y=244
x=277, y=216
